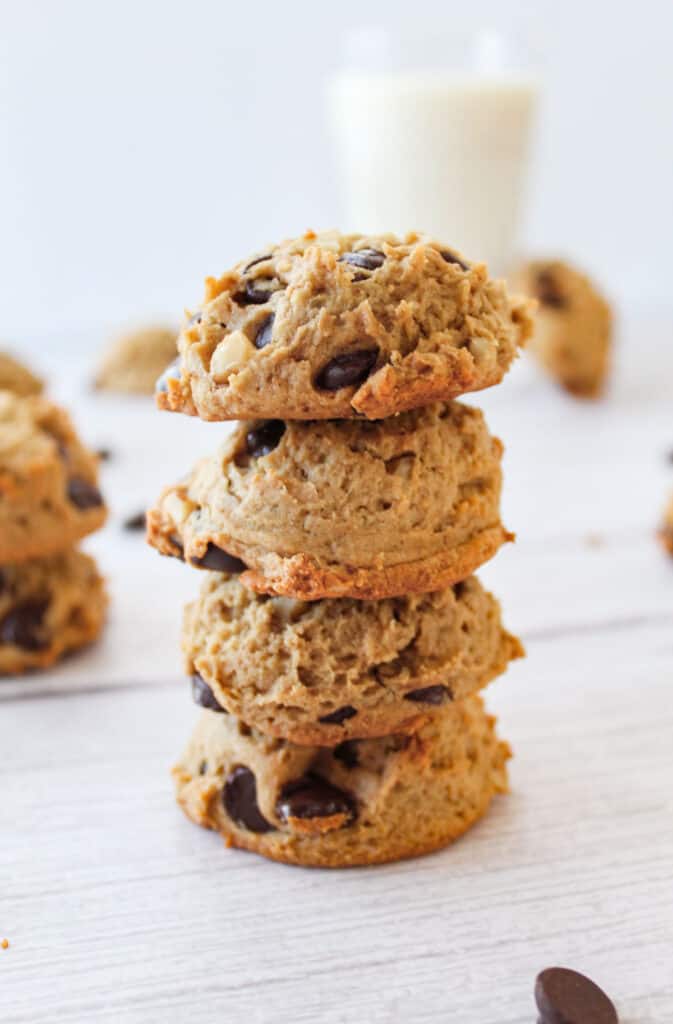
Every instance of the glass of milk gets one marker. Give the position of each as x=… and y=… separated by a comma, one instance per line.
x=433, y=135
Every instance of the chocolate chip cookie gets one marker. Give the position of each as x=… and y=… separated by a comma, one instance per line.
x=136, y=360
x=342, y=508
x=573, y=326
x=49, y=495
x=335, y=326
x=361, y=802
x=48, y=607
x=321, y=672
x=16, y=377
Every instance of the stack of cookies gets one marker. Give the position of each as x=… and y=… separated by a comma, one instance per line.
x=340, y=640
x=52, y=597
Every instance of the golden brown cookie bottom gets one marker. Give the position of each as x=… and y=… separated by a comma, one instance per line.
x=363, y=802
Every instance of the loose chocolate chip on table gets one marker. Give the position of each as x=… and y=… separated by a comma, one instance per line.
x=347, y=753
x=257, y=259
x=23, y=626
x=312, y=797
x=172, y=372
x=567, y=997
x=135, y=522
x=547, y=290
x=450, y=257
x=339, y=716
x=264, y=331
x=240, y=800
x=204, y=696
x=254, y=295
x=83, y=494
x=219, y=561
x=347, y=369
x=368, y=259
x=263, y=439
x=430, y=695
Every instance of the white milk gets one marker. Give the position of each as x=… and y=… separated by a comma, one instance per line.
x=437, y=152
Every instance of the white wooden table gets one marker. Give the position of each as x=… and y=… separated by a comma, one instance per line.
x=117, y=909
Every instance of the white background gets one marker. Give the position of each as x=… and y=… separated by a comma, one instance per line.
x=145, y=144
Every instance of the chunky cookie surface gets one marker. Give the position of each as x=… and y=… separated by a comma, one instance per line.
x=135, y=361
x=48, y=607
x=17, y=378
x=49, y=495
x=362, y=802
x=322, y=672
x=342, y=508
x=573, y=326
x=335, y=326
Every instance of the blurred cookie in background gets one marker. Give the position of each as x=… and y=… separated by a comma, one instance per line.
x=666, y=529
x=135, y=360
x=573, y=328
x=17, y=378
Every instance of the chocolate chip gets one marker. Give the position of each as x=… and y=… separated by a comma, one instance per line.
x=368, y=259
x=264, y=331
x=450, y=257
x=3, y=581
x=339, y=716
x=104, y=454
x=23, y=626
x=176, y=542
x=430, y=695
x=547, y=290
x=219, y=561
x=84, y=494
x=263, y=439
x=254, y=295
x=204, y=696
x=347, y=753
x=346, y=370
x=135, y=523
x=312, y=797
x=257, y=259
x=203, y=767
x=240, y=801
x=172, y=372
x=195, y=318
x=566, y=997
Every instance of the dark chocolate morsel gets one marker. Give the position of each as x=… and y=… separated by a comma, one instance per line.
x=203, y=767
x=346, y=370
x=219, y=561
x=367, y=259
x=204, y=696
x=240, y=800
x=23, y=626
x=195, y=318
x=547, y=290
x=84, y=494
x=172, y=372
x=430, y=695
x=339, y=716
x=254, y=295
x=264, y=331
x=176, y=542
x=567, y=997
x=347, y=753
x=135, y=522
x=313, y=797
x=263, y=439
x=257, y=259
x=450, y=257
x=104, y=454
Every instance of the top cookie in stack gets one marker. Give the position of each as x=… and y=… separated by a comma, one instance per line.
x=336, y=326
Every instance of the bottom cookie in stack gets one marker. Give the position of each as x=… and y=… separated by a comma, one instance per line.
x=361, y=802
x=48, y=607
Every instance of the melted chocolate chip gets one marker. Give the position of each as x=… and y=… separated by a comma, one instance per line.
x=450, y=257
x=176, y=542
x=240, y=801
x=203, y=767
x=567, y=997
x=204, y=696
x=257, y=259
x=312, y=797
x=84, y=494
x=548, y=292
x=367, y=259
x=265, y=331
x=135, y=523
x=347, y=370
x=339, y=716
x=254, y=295
x=172, y=372
x=347, y=753
x=23, y=626
x=263, y=439
x=430, y=695
x=219, y=561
